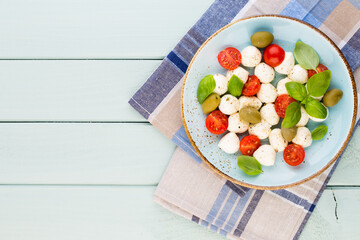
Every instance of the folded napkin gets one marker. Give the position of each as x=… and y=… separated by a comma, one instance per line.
x=189, y=187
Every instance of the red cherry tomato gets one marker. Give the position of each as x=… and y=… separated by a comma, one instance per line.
x=252, y=86
x=217, y=122
x=320, y=68
x=249, y=144
x=229, y=58
x=294, y=154
x=281, y=104
x=274, y=55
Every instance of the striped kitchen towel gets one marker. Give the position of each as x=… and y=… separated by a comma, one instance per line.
x=188, y=187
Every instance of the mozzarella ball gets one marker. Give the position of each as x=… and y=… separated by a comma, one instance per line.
x=266, y=155
x=264, y=72
x=298, y=74
x=304, y=118
x=303, y=137
x=221, y=84
x=250, y=56
x=229, y=143
x=277, y=141
x=229, y=104
x=281, y=88
x=245, y=101
x=269, y=114
x=240, y=73
x=319, y=119
x=261, y=129
x=267, y=93
x=317, y=98
x=237, y=125
x=287, y=65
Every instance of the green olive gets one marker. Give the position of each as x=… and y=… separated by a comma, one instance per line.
x=261, y=39
x=288, y=133
x=250, y=114
x=211, y=103
x=332, y=97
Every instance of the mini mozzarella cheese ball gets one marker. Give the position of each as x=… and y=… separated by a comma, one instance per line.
x=245, y=101
x=240, y=73
x=319, y=119
x=221, y=84
x=287, y=65
x=250, y=56
x=261, y=129
x=281, y=88
x=277, y=141
x=264, y=72
x=267, y=93
x=298, y=74
x=266, y=155
x=229, y=104
x=268, y=113
x=229, y=143
x=237, y=125
x=303, y=137
x=304, y=118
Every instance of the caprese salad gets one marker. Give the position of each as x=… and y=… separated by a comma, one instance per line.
x=239, y=102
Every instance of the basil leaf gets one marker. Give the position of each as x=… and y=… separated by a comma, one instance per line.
x=205, y=88
x=296, y=90
x=319, y=83
x=315, y=109
x=249, y=165
x=235, y=86
x=292, y=115
x=306, y=56
x=319, y=132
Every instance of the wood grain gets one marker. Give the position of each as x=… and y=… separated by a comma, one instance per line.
x=63, y=29
x=42, y=213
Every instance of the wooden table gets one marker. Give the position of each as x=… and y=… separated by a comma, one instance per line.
x=76, y=161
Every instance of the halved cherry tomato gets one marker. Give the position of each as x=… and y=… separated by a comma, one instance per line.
x=252, y=86
x=320, y=68
x=281, y=104
x=274, y=55
x=229, y=58
x=217, y=122
x=249, y=144
x=294, y=154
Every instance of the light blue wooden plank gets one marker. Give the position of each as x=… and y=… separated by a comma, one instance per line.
x=82, y=154
x=71, y=90
x=94, y=28
x=43, y=213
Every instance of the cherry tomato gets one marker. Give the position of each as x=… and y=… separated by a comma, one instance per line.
x=294, y=154
x=249, y=144
x=320, y=68
x=252, y=86
x=217, y=122
x=274, y=55
x=229, y=58
x=281, y=104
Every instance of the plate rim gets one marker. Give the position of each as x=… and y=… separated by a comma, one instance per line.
x=286, y=185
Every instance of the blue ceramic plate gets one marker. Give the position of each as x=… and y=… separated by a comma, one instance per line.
x=321, y=154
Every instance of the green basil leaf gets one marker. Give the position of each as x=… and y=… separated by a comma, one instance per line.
x=205, y=88
x=235, y=86
x=249, y=165
x=315, y=109
x=296, y=90
x=319, y=132
x=306, y=56
x=292, y=115
x=319, y=83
